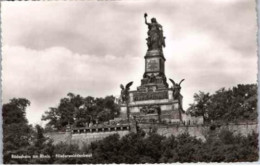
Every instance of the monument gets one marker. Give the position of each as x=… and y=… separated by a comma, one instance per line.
x=153, y=101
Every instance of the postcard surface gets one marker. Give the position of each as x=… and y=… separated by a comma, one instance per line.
x=129, y=82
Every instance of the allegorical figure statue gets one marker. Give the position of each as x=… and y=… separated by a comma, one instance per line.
x=177, y=91
x=176, y=88
x=155, y=39
x=125, y=92
x=125, y=97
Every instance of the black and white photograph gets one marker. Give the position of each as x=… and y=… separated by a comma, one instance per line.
x=129, y=81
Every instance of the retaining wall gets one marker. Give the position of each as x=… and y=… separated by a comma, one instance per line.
x=199, y=131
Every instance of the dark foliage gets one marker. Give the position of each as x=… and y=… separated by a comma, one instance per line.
x=135, y=148
x=16, y=131
x=238, y=104
x=20, y=138
x=78, y=111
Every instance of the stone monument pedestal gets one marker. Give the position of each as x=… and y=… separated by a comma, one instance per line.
x=154, y=106
x=153, y=101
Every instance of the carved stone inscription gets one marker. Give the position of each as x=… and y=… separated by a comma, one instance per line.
x=152, y=64
x=150, y=96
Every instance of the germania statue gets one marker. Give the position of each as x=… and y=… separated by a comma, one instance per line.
x=155, y=40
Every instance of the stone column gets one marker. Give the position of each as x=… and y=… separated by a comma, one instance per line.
x=131, y=99
x=170, y=95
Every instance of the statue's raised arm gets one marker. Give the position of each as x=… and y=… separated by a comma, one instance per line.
x=145, y=19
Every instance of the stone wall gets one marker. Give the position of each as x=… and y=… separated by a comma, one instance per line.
x=58, y=137
x=87, y=138
x=199, y=131
x=81, y=138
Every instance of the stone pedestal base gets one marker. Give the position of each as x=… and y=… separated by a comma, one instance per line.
x=157, y=107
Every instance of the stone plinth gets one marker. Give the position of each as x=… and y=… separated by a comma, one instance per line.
x=154, y=106
x=153, y=100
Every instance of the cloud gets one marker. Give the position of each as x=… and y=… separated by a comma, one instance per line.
x=206, y=66
x=101, y=28
x=91, y=47
x=46, y=76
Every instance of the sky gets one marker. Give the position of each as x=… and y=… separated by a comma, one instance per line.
x=51, y=48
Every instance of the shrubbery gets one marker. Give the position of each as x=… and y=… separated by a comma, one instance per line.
x=137, y=148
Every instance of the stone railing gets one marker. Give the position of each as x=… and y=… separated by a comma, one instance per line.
x=105, y=128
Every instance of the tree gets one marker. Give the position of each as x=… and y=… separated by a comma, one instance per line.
x=14, y=111
x=236, y=104
x=220, y=105
x=227, y=105
x=200, y=105
x=16, y=131
x=78, y=111
x=40, y=145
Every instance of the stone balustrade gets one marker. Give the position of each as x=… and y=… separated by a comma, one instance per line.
x=107, y=128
